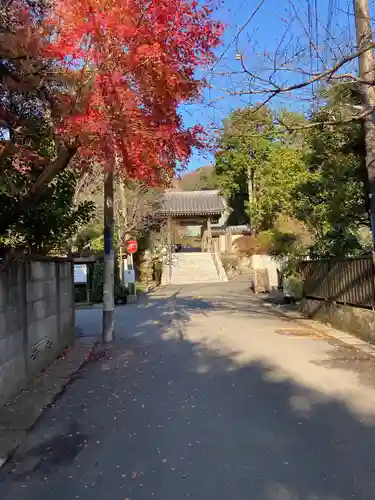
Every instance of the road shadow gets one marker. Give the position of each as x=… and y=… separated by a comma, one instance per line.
x=178, y=303
x=167, y=417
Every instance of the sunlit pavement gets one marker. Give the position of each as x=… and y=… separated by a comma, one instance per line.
x=206, y=394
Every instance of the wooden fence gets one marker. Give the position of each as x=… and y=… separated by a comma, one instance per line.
x=346, y=281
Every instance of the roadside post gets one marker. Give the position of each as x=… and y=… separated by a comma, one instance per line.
x=129, y=271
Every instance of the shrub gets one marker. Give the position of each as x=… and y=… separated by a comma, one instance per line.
x=97, y=282
x=253, y=244
x=295, y=285
x=230, y=261
x=121, y=292
x=80, y=293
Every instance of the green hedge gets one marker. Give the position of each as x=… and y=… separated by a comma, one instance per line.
x=80, y=294
x=97, y=284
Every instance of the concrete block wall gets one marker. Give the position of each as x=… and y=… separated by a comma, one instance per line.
x=355, y=320
x=36, y=318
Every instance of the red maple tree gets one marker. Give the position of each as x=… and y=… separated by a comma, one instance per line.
x=133, y=64
x=104, y=79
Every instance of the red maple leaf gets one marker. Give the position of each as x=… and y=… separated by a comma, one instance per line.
x=130, y=65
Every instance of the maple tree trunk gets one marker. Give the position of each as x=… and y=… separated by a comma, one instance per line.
x=124, y=212
x=109, y=260
x=367, y=73
x=49, y=173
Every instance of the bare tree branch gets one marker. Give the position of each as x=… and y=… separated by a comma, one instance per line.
x=274, y=89
x=137, y=206
x=311, y=54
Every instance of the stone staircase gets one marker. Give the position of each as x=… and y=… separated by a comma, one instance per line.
x=194, y=267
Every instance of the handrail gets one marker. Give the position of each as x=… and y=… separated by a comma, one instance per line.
x=170, y=264
x=215, y=259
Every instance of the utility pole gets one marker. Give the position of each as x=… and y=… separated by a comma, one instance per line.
x=109, y=259
x=367, y=73
x=169, y=235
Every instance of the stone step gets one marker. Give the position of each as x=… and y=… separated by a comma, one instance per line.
x=187, y=268
x=196, y=278
x=188, y=281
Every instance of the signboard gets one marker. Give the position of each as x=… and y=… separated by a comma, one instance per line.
x=131, y=246
x=129, y=276
x=80, y=274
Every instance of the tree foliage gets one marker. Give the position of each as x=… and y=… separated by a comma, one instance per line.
x=252, y=145
x=47, y=226
x=136, y=209
x=276, y=179
x=137, y=63
x=244, y=140
x=202, y=179
x=102, y=80
x=332, y=200
x=316, y=176
x=29, y=108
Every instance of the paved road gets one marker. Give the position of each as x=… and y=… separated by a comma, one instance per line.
x=207, y=394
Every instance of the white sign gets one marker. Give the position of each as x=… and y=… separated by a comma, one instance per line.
x=80, y=274
x=129, y=276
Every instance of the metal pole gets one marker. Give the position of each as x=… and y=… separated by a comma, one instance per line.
x=133, y=270
x=169, y=250
x=109, y=260
x=367, y=73
x=120, y=250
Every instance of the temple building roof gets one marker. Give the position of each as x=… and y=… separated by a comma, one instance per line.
x=193, y=203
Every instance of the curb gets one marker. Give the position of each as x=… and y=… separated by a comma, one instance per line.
x=88, y=306
x=344, y=337
x=47, y=387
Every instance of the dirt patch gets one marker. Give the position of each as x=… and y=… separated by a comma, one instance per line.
x=302, y=333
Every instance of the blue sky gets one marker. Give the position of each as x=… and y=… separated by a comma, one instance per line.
x=263, y=34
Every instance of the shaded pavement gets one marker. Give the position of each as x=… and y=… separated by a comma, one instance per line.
x=206, y=394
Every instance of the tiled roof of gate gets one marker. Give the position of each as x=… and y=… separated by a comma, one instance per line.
x=193, y=203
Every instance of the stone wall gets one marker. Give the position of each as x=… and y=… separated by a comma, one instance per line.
x=36, y=319
x=273, y=267
x=354, y=320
